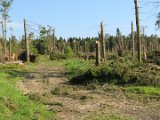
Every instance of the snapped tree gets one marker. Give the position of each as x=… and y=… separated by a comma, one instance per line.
x=138, y=29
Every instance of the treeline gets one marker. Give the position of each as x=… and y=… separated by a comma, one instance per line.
x=48, y=44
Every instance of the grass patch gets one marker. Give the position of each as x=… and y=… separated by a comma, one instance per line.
x=45, y=60
x=143, y=90
x=143, y=93
x=77, y=67
x=15, y=106
x=11, y=66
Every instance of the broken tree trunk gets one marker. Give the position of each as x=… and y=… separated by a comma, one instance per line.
x=138, y=30
x=132, y=34
x=102, y=43
x=10, y=49
x=26, y=42
x=97, y=53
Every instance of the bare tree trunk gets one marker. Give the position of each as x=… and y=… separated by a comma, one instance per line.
x=26, y=42
x=97, y=53
x=3, y=41
x=10, y=52
x=133, y=46
x=102, y=43
x=5, y=34
x=138, y=30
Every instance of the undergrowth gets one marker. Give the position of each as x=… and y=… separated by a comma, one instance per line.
x=122, y=72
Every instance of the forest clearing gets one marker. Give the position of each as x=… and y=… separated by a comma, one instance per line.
x=104, y=77
x=45, y=83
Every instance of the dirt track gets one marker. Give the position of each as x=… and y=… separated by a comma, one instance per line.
x=50, y=86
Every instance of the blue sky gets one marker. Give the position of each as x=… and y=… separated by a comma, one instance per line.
x=80, y=18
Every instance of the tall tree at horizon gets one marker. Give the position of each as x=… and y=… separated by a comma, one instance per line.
x=5, y=6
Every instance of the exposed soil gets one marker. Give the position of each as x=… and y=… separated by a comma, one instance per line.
x=49, y=85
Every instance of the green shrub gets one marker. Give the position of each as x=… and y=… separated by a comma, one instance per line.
x=153, y=56
x=119, y=73
x=56, y=55
x=76, y=67
x=33, y=50
x=150, y=55
x=112, y=57
x=68, y=52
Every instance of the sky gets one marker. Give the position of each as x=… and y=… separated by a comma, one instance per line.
x=81, y=18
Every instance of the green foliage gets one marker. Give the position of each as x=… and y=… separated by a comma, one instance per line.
x=119, y=72
x=150, y=55
x=40, y=46
x=76, y=67
x=11, y=67
x=68, y=52
x=4, y=8
x=56, y=55
x=112, y=73
x=33, y=50
x=154, y=57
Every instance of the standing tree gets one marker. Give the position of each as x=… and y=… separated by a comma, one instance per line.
x=4, y=9
x=47, y=34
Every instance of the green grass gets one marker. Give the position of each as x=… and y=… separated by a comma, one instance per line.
x=143, y=90
x=144, y=94
x=15, y=106
x=77, y=67
x=45, y=60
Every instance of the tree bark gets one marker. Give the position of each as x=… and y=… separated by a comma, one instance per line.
x=138, y=30
x=132, y=34
x=97, y=53
x=26, y=42
x=10, y=52
x=102, y=43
